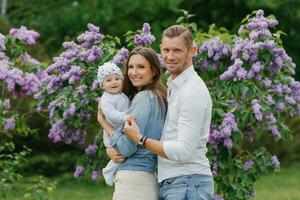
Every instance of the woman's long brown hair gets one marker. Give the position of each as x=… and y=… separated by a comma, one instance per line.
x=155, y=85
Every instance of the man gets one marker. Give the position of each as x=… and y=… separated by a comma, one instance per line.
x=183, y=168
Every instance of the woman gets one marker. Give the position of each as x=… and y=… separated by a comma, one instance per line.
x=135, y=177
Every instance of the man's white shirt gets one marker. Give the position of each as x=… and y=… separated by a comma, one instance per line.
x=186, y=127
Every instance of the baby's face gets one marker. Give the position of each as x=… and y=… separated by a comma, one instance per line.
x=112, y=84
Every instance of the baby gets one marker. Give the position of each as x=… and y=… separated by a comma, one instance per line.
x=114, y=105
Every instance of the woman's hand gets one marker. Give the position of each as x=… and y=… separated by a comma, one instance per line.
x=114, y=155
x=100, y=115
x=102, y=121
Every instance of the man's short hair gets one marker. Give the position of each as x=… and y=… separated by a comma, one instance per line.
x=179, y=30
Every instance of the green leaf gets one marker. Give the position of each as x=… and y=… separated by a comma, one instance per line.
x=180, y=20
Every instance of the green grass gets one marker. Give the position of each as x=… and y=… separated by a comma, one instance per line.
x=283, y=185
x=67, y=187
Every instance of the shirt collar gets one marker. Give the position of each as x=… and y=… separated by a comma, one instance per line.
x=182, y=77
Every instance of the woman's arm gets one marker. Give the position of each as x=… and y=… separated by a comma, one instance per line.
x=101, y=119
x=140, y=108
x=114, y=155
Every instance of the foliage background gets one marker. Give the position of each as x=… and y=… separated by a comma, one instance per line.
x=62, y=20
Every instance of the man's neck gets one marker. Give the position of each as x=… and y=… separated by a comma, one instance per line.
x=173, y=76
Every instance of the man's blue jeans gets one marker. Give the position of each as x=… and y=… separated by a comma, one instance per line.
x=188, y=187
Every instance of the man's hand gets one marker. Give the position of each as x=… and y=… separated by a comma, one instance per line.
x=114, y=155
x=132, y=131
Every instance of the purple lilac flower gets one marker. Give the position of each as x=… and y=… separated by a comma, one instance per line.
x=60, y=64
x=59, y=132
x=274, y=131
x=31, y=84
x=145, y=38
x=271, y=119
x=75, y=74
x=270, y=100
x=13, y=77
x=246, y=50
x=4, y=69
x=41, y=74
x=40, y=108
x=280, y=106
x=121, y=56
x=79, y=171
x=95, y=84
x=286, y=89
x=53, y=83
x=52, y=106
x=90, y=55
x=70, y=45
x=93, y=28
x=259, y=26
x=70, y=53
x=248, y=165
x=228, y=125
x=90, y=37
x=27, y=36
x=27, y=58
x=235, y=72
x=9, y=124
x=255, y=69
x=81, y=89
x=215, y=137
x=216, y=50
x=95, y=175
x=278, y=88
x=70, y=111
x=223, y=132
x=228, y=143
x=37, y=95
x=2, y=42
x=79, y=136
x=218, y=197
x=256, y=109
x=3, y=57
x=6, y=104
x=91, y=149
x=267, y=82
x=290, y=100
x=275, y=162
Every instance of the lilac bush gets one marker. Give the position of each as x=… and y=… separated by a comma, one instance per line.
x=18, y=80
x=70, y=91
x=249, y=75
x=17, y=76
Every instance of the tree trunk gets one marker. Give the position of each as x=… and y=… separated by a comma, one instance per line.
x=3, y=7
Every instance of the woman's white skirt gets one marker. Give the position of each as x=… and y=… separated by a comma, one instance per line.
x=135, y=185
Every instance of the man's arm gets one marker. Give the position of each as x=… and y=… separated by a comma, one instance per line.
x=192, y=109
x=132, y=131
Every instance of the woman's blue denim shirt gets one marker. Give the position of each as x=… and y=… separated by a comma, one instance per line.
x=150, y=118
